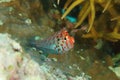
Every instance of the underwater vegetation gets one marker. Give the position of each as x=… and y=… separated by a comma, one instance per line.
x=102, y=17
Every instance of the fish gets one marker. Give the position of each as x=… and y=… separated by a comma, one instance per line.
x=58, y=43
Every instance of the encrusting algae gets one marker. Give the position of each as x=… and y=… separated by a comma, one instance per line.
x=92, y=10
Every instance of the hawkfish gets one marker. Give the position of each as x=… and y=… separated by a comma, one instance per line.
x=58, y=43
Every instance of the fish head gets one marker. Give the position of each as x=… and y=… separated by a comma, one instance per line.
x=64, y=41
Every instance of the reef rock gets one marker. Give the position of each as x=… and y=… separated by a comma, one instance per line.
x=15, y=65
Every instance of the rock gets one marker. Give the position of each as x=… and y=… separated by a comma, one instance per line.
x=14, y=65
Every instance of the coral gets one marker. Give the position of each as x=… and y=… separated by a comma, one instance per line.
x=89, y=10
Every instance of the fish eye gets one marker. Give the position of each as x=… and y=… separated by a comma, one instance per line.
x=58, y=39
x=65, y=38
